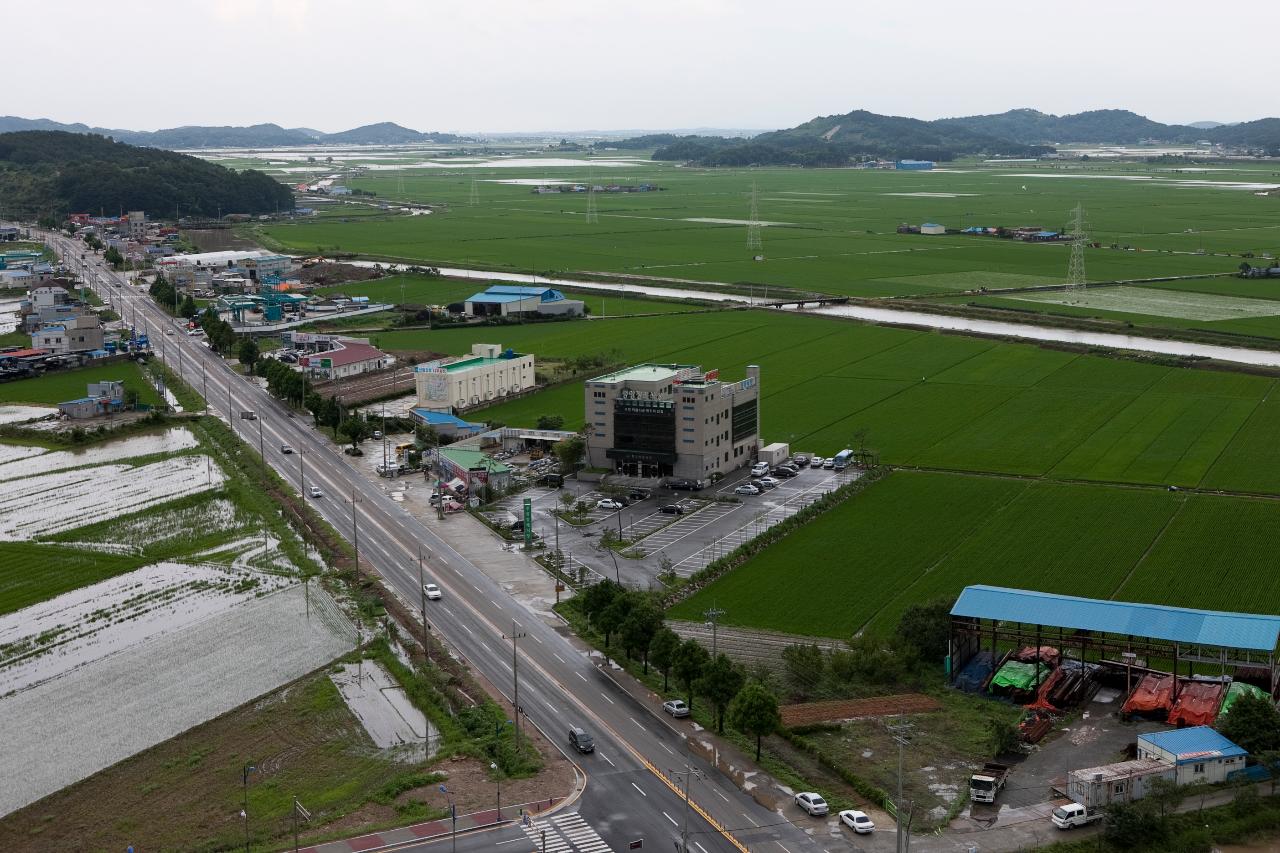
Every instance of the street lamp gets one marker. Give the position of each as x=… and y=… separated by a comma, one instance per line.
x=453, y=814
x=244, y=809
x=498, y=777
x=355, y=530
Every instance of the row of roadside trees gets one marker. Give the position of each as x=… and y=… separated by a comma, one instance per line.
x=633, y=620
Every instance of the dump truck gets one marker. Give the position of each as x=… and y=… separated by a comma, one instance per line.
x=987, y=782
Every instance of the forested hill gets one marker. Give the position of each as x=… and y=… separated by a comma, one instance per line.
x=55, y=172
x=841, y=139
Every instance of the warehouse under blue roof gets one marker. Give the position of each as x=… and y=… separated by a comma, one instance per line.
x=1173, y=624
x=1196, y=742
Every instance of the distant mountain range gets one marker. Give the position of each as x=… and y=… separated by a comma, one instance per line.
x=253, y=136
x=841, y=139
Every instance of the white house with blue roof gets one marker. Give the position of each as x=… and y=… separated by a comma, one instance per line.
x=1199, y=753
x=505, y=300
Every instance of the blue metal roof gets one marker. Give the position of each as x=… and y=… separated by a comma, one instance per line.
x=486, y=296
x=513, y=292
x=1175, y=624
x=1192, y=743
x=441, y=418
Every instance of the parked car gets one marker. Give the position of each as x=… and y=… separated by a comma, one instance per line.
x=759, y=469
x=857, y=821
x=816, y=462
x=789, y=466
x=812, y=803
x=829, y=463
x=581, y=741
x=638, y=494
x=676, y=707
x=800, y=460
x=431, y=591
x=686, y=485
x=315, y=492
x=747, y=489
x=673, y=509
x=284, y=448
x=608, y=503
x=553, y=480
x=766, y=483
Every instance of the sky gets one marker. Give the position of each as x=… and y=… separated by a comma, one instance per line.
x=549, y=65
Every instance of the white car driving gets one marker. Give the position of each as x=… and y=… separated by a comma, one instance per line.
x=432, y=591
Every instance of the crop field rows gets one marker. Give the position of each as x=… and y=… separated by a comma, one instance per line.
x=833, y=229
x=952, y=530
x=935, y=401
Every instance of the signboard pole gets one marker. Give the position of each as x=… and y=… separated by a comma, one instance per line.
x=528, y=523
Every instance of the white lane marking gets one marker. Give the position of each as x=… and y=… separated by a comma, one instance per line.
x=749, y=820
x=557, y=657
x=783, y=846
x=477, y=589
x=634, y=720
x=495, y=604
x=670, y=818
x=722, y=796
x=606, y=758
x=552, y=707
x=664, y=746
x=638, y=788
x=700, y=847
x=468, y=627
x=607, y=699
x=580, y=675
x=535, y=637
x=508, y=841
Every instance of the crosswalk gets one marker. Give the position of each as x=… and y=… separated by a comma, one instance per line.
x=565, y=833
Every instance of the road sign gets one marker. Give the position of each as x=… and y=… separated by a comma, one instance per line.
x=528, y=521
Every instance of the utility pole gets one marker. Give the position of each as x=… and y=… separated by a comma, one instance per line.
x=899, y=733
x=514, y=637
x=355, y=529
x=688, y=773
x=713, y=615
x=422, y=588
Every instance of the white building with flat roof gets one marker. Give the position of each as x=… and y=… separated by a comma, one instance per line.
x=488, y=373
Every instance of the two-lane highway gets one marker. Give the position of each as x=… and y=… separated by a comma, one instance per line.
x=633, y=788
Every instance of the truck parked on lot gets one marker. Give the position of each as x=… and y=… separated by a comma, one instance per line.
x=987, y=782
x=1071, y=815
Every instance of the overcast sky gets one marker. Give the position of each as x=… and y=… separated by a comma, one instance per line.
x=504, y=65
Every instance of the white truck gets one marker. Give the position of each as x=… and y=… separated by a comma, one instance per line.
x=1071, y=815
x=987, y=782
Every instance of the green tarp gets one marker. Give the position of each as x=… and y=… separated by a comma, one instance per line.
x=1235, y=691
x=1015, y=675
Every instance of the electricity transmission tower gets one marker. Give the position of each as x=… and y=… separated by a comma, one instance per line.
x=1075, y=266
x=754, y=243
x=593, y=215
x=400, y=186
x=475, y=193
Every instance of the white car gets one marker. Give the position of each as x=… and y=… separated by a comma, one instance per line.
x=812, y=803
x=746, y=489
x=828, y=464
x=315, y=492
x=608, y=503
x=432, y=591
x=676, y=707
x=816, y=462
x=857, y=821
x=759, y=469
x=770, y=482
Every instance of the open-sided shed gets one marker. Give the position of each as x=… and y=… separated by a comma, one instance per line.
x=1114, y=632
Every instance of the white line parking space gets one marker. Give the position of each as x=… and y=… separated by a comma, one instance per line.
x=688, y=525
x=764, y=511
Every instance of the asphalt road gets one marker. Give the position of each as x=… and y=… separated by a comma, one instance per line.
x=624, y=799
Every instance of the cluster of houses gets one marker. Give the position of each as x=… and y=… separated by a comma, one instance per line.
x=137, y=238
x=551, y=189
x=1025, y=233
x=23, y=268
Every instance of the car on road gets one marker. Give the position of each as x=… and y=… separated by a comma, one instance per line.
x=581, y=741
x=315, y=492
x=673, y=509
x=812, y=803
x=759, y=469
x=377, y=433
x=829, y=463
x=284, y=448
x=608, y=503
x=857, y=821
x=431, y=591
x=747, y=489
x=676, y=707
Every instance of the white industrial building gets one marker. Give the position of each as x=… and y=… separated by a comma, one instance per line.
x=488, y=373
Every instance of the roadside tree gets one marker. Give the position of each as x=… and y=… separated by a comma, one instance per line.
x=754, y=712
x=690, y=662
x=720, y=682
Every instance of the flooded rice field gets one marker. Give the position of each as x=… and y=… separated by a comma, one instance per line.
x=150, y=688
x=36, y=460
x=13, y=414
x=42, y=504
